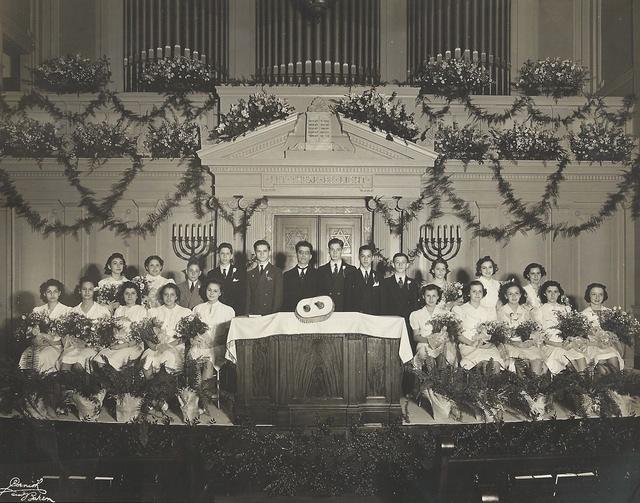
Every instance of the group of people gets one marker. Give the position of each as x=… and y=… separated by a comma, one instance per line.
x=228, y=291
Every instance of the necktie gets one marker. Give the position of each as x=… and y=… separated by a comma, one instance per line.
x=400, y=282
x=303, y=271
x=261, y=269
x=224, y=273
x=366, y=277
x=335, y=269
x=193, y=286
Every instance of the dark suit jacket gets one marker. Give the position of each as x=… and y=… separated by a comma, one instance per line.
x=264, y=291
x=364, y=298
x=335, y=287
x=296, y=289
x=399, y=301
x=190, y=299
x=233, y=287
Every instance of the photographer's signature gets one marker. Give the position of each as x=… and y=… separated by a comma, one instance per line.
x=25, y=492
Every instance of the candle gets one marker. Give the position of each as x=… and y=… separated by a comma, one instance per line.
x=198, y=232
x=438, y=233
x=458, y=232
x=173, y=233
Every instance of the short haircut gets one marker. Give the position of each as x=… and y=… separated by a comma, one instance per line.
x=301, y=244
x=481, y=261
x=437, y=261
x=400, y=254
x=590, y=287
x=225, y=245
x=542, y=293
x=166, y=287
x=194, y=261
x=533, y=265
x=260, y=242
x=433, y=288
x=128, y=285
x=335, y=241
x=148, y=260
x=205, y=285
x=467, y=290
x=107, y=265
x=502, y=294
x=88, y=279
x=365, y=248
x=50, y=282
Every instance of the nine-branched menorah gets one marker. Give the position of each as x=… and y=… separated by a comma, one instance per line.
x=192, y=240
x=442, y=242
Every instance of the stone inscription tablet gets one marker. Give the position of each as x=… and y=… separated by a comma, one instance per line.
x=318, y=130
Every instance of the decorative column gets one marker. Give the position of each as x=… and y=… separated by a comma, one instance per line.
x=45, y=26
x=524, y=32
x=110, y=38
x=393, y=40
x=587, y=39
x=242, y=38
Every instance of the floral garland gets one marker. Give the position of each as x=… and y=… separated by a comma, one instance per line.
x=72, y=74
x=522, y=142
x=600, y=142
x=466, y=143
x=552, y=77
x=178, y=75
x=102, y=140
x=173, y=140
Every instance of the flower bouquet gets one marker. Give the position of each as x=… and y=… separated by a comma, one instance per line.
x=621, y=323
x=28, y=322
x=28, y=138
x=143, y=285
x=467, y=143
x=102, y=140
x=190, y=327
x=526, y=330
x=178, y=75
x=449, y=321
x=452, y=292
x=107, y=293
x=75, y=327
x=494, y=332
x=600, y=142
x=103, y=332
x=173, y=140
x=72, y=74
x=146, y=330
x=552, y=77
x=127, y=387
x=573, y=325
x=452, y=78
x=86, y=392
x=522, y=142
x=602, y=338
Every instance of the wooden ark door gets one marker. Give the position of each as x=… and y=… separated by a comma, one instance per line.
x=318, y=230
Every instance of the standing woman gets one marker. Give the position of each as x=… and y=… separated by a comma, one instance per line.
x=485, y=270
x=439, y=271
x=154, y=264
x=558, y=353
x=513, y=312
x=75, y=352
x=170, y=349
x=534, y=273
x=114, y=270
x=45, y=350
x=603, y=356
x=130, y=310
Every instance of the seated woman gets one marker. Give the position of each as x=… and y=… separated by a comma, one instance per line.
x=44, y=352
x=122, y=351
x=558, y=353
x=533, y=273
x=170, y=349
x=154, y=265
x=75, y=352
x=474, y=350
x=606, y=357
x=431, y=347
x=209, y=349
x=486, y=268
x=439, y=271
x=513, y=312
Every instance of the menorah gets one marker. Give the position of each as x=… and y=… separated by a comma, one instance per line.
x=193, y=240
x=439, y=242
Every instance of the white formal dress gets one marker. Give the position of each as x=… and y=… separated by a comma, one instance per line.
x=471, y=317
x=155, y=283
x=171, y=356
x=493, y=289
x=513, y=319
x=212, y=346
x=596, y=353
x=556, y=358
x=45, y=358
x=119, y=357
x=420, y=322
x=532, y=296
x=109, y=280
x=76, y=352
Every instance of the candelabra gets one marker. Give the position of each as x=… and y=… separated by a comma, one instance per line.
x=442, y=242
x=193, y=240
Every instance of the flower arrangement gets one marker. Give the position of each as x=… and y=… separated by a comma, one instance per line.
x=380, y=112
x=28, y=138
x=452, y=78
x=129, y=379
x=621, y=323
x=146, y=330
x=178, y=75
x=28, y=322
x=103, y=332
x=467, y=143
x=258, y=110
x=190, y=327
x=552, y=77
x=452, y=292
x=497, y=332
x=526, y=330
x=449, y=321
x=107, y=293
x=572, y=324
x=73, y=325
x=143, y=286
x=601, y=142
x=602, y=338
x=173, y=140
x=522, y=142
x=72, y=74
x=102, y=140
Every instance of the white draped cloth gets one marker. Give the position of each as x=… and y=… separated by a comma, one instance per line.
x=169, y=355
x=471, y=317
x=116, y=356
x=45, y=358
x=212, y=345
x=75, y=351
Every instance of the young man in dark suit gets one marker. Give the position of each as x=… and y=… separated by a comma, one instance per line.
x=190, y=289
x=301, y=281
x=264, y=283
x=364, y=290
x=333, y=276
x=399, y=291
x=232, y=279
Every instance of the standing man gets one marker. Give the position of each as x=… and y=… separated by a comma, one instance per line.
x=301, y=281
x=264, y=283
x=399, y=291
x=333, y=276
x=364, y=291
x=190, y=289
x=231, y=278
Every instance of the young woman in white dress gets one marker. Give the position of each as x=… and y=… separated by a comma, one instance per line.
x=114, y=270
x=430, y=347
x=534, y=273
x=154, y=265
x=558, y=353
x=474, y=350
x=75, y=352
x=513, y=312
x=170, y=349
x=485, y=270
x=439, y=271
x=209, y=349
x=44, y=352
x=130, y=310
x=608, y=357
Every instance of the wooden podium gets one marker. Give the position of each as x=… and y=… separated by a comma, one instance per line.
x=318, y=376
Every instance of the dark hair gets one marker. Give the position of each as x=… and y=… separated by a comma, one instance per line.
x=533, y=265
x=437, y=261
x=166, y=286
x=261, y=242
x=205, y=285
x=431, y=287
x=148, y=260
x=87, y=279
x=481, y=261
x=400, y=254
x=107, y=265
x=335, y=241
x=50, y=282
x=502, y=294
x=542, y=293
x=123, y=287
x=300, y=244
x=590, y=287
x=365, y=248
x=194, y=261
x=225, y=245
x=467, y=290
